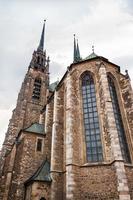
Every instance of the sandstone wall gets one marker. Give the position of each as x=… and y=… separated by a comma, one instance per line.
x=129, y=172
x=57, y=145
x=97, y=183
x=27, y=162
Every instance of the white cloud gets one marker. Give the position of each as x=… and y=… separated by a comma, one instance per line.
x=108, y=24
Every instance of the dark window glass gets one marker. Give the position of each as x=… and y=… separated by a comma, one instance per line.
x=118, y=120
x=42, y=60
x=39, y=145
x=91, y=121
x=37, y=89
x=38, y=59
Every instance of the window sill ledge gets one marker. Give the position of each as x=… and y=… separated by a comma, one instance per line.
x=105, y=164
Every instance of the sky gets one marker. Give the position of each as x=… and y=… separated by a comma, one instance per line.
x=106, y=24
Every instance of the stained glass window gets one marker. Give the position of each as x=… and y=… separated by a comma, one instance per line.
x=91, y=121
x=118, y=121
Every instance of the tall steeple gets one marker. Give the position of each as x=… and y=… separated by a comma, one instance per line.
x=75, y=51
x=41, y=43
x=78, y=52
x=39, y=60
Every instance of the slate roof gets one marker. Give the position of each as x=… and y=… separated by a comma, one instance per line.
x=53, y=86
x=92, y=55
x=36, y=128
x=42, y=173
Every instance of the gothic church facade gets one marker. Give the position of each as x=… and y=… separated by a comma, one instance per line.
x=72, y=139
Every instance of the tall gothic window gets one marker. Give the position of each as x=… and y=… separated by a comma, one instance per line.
x=37, y=89
x=91, y=121
x=118, y=121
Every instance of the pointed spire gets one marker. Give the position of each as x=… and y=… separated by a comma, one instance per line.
x=41, y=44
x=75, y=51
x=78, y=52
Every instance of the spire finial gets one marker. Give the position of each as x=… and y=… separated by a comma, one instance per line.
x=93, y=48
x=41, y=43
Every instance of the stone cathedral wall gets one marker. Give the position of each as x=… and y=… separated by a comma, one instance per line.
x=57, y=150
x=27, y=162
x=94, y=182
x=4, y=176
x=97, y=182
x=129, y=173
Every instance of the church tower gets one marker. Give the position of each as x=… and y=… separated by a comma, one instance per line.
x=31, y=100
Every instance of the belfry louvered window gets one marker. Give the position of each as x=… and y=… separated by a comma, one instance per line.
x=37, y=89
x=118, y=121
x=91, y=120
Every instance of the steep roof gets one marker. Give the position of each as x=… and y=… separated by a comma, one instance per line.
x=92, y=55
x=42, y=173
x=36, y=128
x=52, y=86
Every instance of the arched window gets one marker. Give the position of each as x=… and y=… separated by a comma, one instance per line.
x=118, y=121
x=91, y=121
x=37, y=89
x=42, y=198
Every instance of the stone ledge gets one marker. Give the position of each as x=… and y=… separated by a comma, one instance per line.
x=128, y=165
x=101, y=163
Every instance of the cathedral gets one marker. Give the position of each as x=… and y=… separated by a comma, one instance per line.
x=71, y=139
